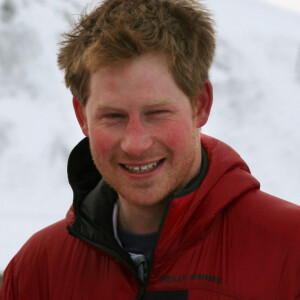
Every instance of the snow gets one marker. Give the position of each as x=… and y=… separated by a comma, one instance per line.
x=256, y=79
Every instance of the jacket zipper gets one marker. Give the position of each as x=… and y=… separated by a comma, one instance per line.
x=143, y=287
x=110, y=252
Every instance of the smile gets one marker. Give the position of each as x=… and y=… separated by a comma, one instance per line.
x=142, y=169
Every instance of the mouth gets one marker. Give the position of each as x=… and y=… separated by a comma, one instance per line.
x=142, y=168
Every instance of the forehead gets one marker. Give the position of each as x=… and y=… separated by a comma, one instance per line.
x=146, y=77
x=134, y=70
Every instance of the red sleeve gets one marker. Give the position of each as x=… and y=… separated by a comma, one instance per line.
x=7, y=289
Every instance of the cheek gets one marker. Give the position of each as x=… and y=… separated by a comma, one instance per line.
x=102, y=142
x=176, y=136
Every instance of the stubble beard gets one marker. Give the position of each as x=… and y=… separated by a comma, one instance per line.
x=174, y=181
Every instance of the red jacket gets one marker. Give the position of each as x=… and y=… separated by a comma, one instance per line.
x=224, y=239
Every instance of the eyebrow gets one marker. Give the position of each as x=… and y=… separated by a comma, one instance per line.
x=160, y=103
x=106, y=107
x=152, y=104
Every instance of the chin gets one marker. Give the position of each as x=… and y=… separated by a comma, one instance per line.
x=144, y=198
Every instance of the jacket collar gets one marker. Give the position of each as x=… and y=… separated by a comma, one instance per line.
x=196, y=206
x=191, y=216
x=87, y=183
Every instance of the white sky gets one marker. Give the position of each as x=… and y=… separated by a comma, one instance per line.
x=293, y=5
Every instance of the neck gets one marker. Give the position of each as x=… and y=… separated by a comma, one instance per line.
x=141, y=219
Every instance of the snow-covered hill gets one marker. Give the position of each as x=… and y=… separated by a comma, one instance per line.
x=256, y=77
x=257, y=86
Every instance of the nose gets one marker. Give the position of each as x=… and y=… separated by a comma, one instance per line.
x=137, y=138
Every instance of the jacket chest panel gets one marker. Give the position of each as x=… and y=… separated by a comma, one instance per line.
x=232, y=261
x=88, y=273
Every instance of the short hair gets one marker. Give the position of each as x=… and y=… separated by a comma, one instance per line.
x=116, y=30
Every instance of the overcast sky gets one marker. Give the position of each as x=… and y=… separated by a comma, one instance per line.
x=289, y=4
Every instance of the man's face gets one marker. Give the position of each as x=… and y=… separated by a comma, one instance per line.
x=143, y=138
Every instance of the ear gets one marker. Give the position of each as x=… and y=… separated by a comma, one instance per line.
x=80, y=115
x=204, y=103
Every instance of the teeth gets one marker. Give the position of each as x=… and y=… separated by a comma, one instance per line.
x=142, y=169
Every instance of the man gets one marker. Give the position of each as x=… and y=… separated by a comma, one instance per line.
x=160, y=211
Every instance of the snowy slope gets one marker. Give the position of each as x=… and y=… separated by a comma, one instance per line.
x=257, y=86
x=256, y=77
